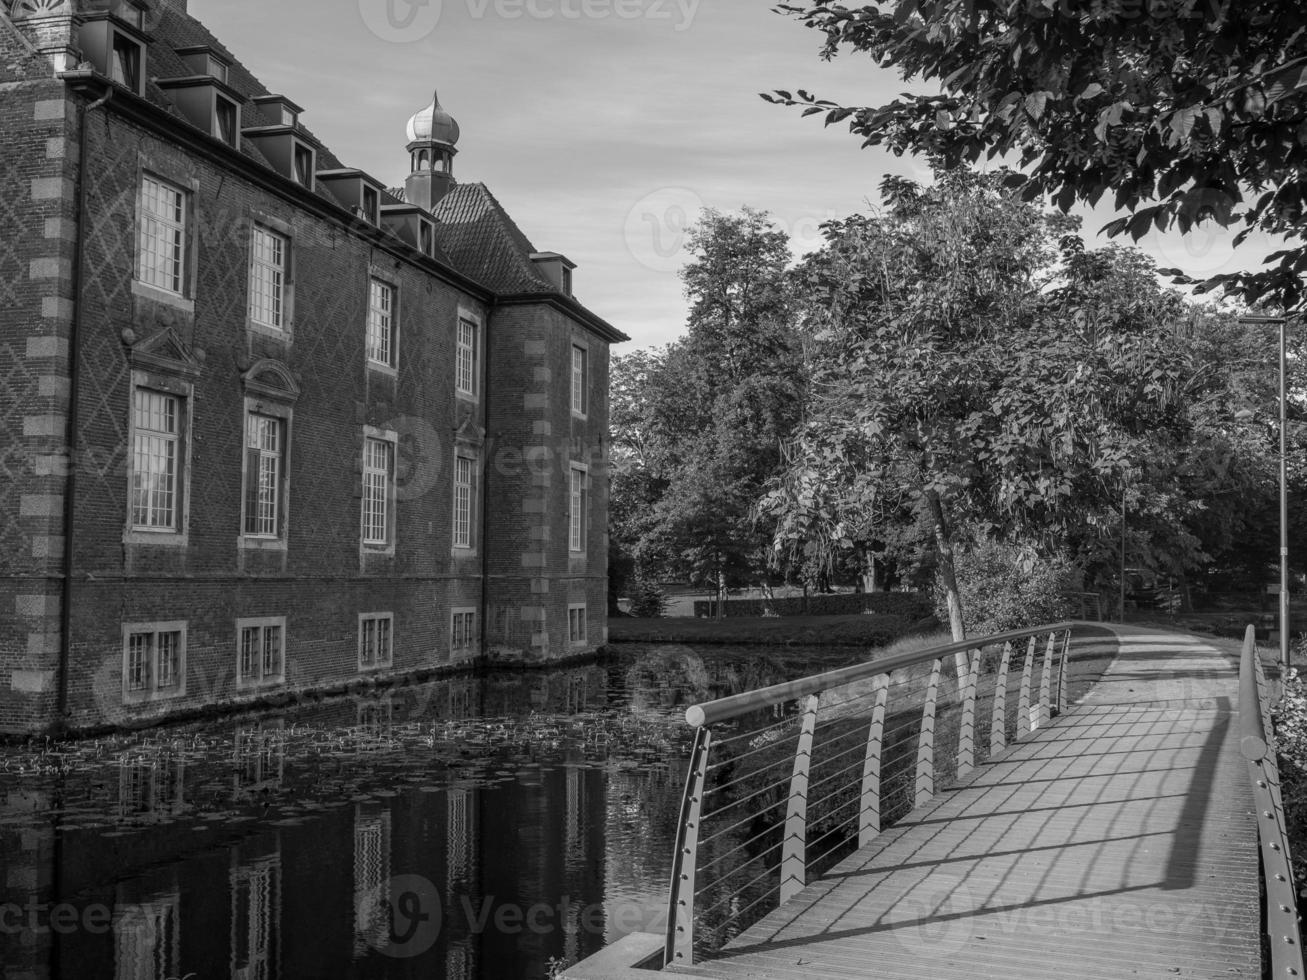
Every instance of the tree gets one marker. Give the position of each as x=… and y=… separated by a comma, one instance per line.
x=1186, y=110
x=698, y=426
x=954, y=376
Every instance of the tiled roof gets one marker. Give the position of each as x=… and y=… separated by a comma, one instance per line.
x=485, y=243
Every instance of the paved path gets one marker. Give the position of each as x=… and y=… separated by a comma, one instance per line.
x=1117, y=842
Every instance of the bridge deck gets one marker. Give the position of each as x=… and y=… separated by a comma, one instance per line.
x=1117, y=842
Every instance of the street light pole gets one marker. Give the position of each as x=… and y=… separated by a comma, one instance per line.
x=1282, y=323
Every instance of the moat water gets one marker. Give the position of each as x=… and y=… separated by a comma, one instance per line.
x=495, y=826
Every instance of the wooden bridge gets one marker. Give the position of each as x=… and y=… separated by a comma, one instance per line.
x=1073, y=801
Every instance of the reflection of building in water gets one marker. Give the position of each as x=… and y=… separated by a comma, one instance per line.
x=376, y=719
x=255, y=911
x=462, y=871
x=147, y=944
x=151, y=786
x=371, y=878
x=260, y=758
x=639, y=804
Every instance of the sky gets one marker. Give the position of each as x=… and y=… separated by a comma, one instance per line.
x=605, y=126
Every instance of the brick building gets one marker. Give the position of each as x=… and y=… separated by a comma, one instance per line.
x=267, y=425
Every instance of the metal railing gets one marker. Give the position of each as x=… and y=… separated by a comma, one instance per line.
x=787, y=780
x=1256, y=743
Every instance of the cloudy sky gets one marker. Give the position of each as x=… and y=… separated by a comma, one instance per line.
x=603, y=126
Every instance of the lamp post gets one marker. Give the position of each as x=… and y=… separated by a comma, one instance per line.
x=1281, y=322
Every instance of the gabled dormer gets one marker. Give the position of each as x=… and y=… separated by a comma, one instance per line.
x=205, y=97
x=291, y=151
x=114, y=41
x=556, y=268
x=355, y=190
x=412, y=225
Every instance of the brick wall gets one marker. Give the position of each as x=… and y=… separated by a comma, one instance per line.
x=37, y=215
x=535, y=439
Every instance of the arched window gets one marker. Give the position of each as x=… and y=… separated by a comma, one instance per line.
x=422, y=159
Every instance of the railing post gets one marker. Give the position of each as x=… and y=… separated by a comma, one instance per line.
x=1061, y=673
x=926, y=740
x=869, y=812
x=794, y=859
x=680, y=901
x=1024, y=718
x=1045, y=712
x=967, y=733
x=998, y=722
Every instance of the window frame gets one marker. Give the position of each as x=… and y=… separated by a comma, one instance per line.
x=581, y=385
x=466, y=617
x=583, y=609
x=465, y=457
x=152, y=691
x=277, y=231
x=260, y=679
x=183, y=231
x=284, y=416
x=472, y=352
x=177, y=535
x=578, y=509
x=391, y=441
x=388, y=618
x=390, y=289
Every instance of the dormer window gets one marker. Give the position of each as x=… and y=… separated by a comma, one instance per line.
x=208, y=103
x=304, y=165
x=355, y=191
x=125, y=65
x=205, y=61
x=411, y=225
x=226, y=114
x=556, y=268
x=283, y=111
x=427, y=235
x=130, y=13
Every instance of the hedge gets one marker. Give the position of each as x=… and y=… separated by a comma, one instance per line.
x=910, y=604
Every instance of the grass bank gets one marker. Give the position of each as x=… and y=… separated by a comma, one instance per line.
x=858, y=630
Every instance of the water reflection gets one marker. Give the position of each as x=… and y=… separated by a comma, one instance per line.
x=474, y=827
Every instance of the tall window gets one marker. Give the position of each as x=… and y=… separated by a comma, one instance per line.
x=381, y=323
x=378, y=478
x=260, y=651
x=580, y=380
x=576, y=629
x=466, y=358
x=156, y=460
x=268, y=254
x=463, y=630
x=464, y=495
x=161, y=251
x=154, y=660
x=375, y=647
x=580, y=507
x=265, y=468
x=371, y=204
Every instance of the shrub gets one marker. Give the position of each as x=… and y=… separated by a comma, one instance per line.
x=910, y=604
x=1004, y=588
x=648, y=601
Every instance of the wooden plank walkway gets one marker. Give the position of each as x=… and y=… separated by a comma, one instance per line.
x=1118, y=842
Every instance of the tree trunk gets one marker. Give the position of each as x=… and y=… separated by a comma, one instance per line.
x=948, y=578
x=721, y=593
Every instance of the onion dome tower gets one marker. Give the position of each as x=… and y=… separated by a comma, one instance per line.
x=432, y=145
